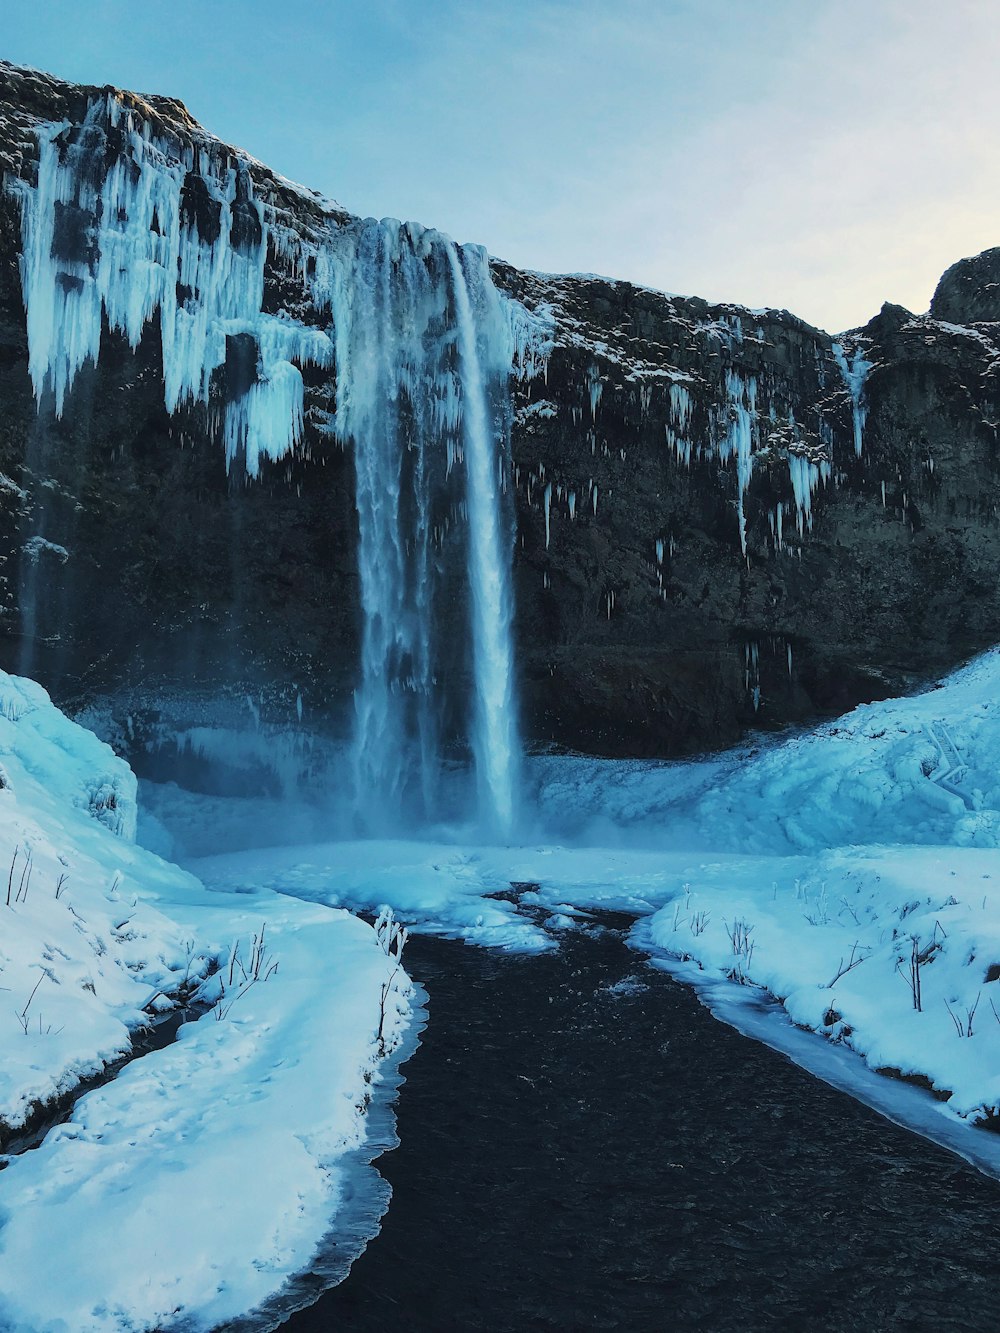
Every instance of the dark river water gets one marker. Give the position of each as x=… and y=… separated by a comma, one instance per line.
x=580, y=1157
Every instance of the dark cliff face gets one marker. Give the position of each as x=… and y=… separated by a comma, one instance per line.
x=893, y=580
x=700, y=546
x=969, y=291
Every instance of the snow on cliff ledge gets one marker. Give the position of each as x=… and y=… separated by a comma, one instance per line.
x=188, y=1189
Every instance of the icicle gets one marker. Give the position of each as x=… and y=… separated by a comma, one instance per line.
x=679, y=422
x=854, y=374
x=105, y=235
x=547, y=504
x=805, y=477
x=594, y=387
x=738, y=441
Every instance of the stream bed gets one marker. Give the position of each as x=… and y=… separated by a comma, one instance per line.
x=583, y=1146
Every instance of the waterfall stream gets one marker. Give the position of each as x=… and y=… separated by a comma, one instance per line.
x=495, y=742
x=423, y=354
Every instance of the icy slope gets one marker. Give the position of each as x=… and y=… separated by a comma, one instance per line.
x=920, y=769
x=191, y=1187
x=914, y=770
x=81, y=955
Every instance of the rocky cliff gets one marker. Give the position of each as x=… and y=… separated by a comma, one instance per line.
x=725, y=518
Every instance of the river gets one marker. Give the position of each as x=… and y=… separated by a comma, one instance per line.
x=583, y=1146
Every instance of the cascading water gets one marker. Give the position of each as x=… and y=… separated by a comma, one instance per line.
x=122, y=225
x=423, y=352
x=495, y=741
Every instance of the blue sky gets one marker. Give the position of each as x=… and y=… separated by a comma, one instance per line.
x=823, y=155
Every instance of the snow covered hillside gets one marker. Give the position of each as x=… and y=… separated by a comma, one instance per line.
x=872, y=909
x=189, y=1188
x=853, y=872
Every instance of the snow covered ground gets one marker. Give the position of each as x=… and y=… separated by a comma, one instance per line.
x=852, y=871
x=189, y=1188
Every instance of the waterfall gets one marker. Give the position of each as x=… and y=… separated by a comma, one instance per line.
x=389, y=403
x=121, y=227
x=495, y=742
x=423, y=354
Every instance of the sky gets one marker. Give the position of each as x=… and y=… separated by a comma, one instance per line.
x=822, y=156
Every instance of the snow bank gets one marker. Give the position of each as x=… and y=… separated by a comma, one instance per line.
x=895, y=952
x=871, y=907
x=80, y=955
x=919, y=770
x=192, y=1186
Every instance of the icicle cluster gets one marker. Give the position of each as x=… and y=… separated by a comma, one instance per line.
x=679, y=425
x=741, y=404
x=806, y=479
x=124, y=226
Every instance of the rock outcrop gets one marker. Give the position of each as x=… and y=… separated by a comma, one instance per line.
x=726, y=518
x=969, y=291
